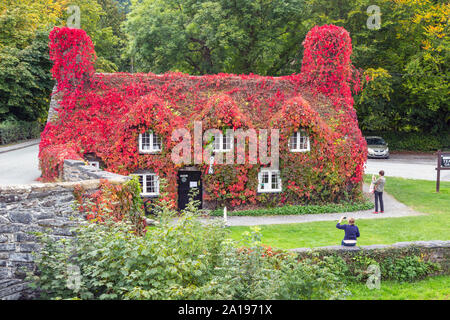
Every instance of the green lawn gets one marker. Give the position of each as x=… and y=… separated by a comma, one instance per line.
x=433, y=288
x=418, y=194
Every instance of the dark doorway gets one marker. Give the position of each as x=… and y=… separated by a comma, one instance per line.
x=188, y=180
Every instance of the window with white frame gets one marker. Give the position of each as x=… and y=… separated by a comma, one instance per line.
x=95, y=164
x=149, y=142
x=149, y=184
x=299, y=142
x=269, y=181
x=223, y=142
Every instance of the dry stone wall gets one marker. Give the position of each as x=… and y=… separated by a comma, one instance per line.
x=42, y=207
x=436, y=250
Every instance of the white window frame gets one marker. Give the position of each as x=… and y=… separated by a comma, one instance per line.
x=153, y=139
x=144, y=184
x=299, y=134
x=270, y=174
x=229, y=142
x=95, y=164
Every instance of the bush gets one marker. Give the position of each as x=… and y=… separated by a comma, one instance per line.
x=408, y=268
x=306, y=280
x=298, y=209
x=407, y=264
x=415, y=141
x=13, y=131
x=182, y=260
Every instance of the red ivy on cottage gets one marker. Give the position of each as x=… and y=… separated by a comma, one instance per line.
x=104, y=114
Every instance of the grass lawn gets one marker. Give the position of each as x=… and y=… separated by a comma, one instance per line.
x=418, y=194
x=433, y=288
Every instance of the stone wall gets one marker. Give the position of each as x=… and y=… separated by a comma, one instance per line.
x=54, y=104
x=77, y=170
x=35, y=208
x=435, y=250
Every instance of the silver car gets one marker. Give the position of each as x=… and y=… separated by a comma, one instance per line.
x=377, y=147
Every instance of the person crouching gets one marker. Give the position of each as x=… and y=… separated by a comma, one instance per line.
x=351, y=232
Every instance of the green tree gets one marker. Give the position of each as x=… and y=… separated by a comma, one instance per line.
x=25, y=80
x=373, y=104
x=200, y=37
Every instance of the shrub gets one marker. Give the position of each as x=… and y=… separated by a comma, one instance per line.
x=415, y=141
x=13, y=131
x=307, y=280
x=407, y=268
x=183, y=260
x=406, y=264
x=298, y=209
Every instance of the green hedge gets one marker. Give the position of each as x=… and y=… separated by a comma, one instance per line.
x=13, y=131
x=299, y=210
x=414, y=141
x=399, y=264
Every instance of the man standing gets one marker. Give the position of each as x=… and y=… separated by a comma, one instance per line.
x=378, y=191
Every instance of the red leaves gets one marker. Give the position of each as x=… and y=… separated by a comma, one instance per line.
x=51, y=159
x=73, y=56
x=104, y=114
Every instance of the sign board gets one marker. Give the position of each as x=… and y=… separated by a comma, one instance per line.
x=445, y=161
x=211, y=163
x=192, y=184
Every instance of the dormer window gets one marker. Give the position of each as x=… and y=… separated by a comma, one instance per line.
x=223, y=142
x=299, y=142
x=269, y=181
x=149, y=142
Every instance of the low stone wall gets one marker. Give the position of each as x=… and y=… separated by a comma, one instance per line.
x=435, y=250
x=77, y=170
x=36, y=208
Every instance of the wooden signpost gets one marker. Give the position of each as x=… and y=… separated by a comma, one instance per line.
x=443, y=163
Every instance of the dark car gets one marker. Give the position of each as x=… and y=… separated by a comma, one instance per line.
x=377, y=147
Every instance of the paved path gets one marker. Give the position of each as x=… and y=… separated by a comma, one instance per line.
x=20, y=145
x=392, y=209
x=407, y=166
x=19, y=166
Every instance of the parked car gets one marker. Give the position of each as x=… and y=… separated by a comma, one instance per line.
x=377, y=147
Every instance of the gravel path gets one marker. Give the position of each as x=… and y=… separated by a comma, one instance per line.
x=392, y=209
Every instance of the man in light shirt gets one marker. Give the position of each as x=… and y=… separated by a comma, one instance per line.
x=378, y=191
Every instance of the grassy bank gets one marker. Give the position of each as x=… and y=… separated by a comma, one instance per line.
x=418, y=194
x=433, y=288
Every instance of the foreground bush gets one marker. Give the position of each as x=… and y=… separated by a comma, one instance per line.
x=13, y=131
x=406, y=264
x=181, y=258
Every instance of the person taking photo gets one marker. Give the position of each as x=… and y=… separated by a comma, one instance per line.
x=351, y=232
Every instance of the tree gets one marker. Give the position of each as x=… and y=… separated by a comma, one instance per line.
x=426, y=77
x=373, y=104
x=25, y=80
x=242, y=36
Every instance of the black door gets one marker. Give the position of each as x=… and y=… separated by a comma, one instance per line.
x=187, y=181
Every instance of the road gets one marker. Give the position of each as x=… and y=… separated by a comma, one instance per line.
x=407, y=166
x=19, y=166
